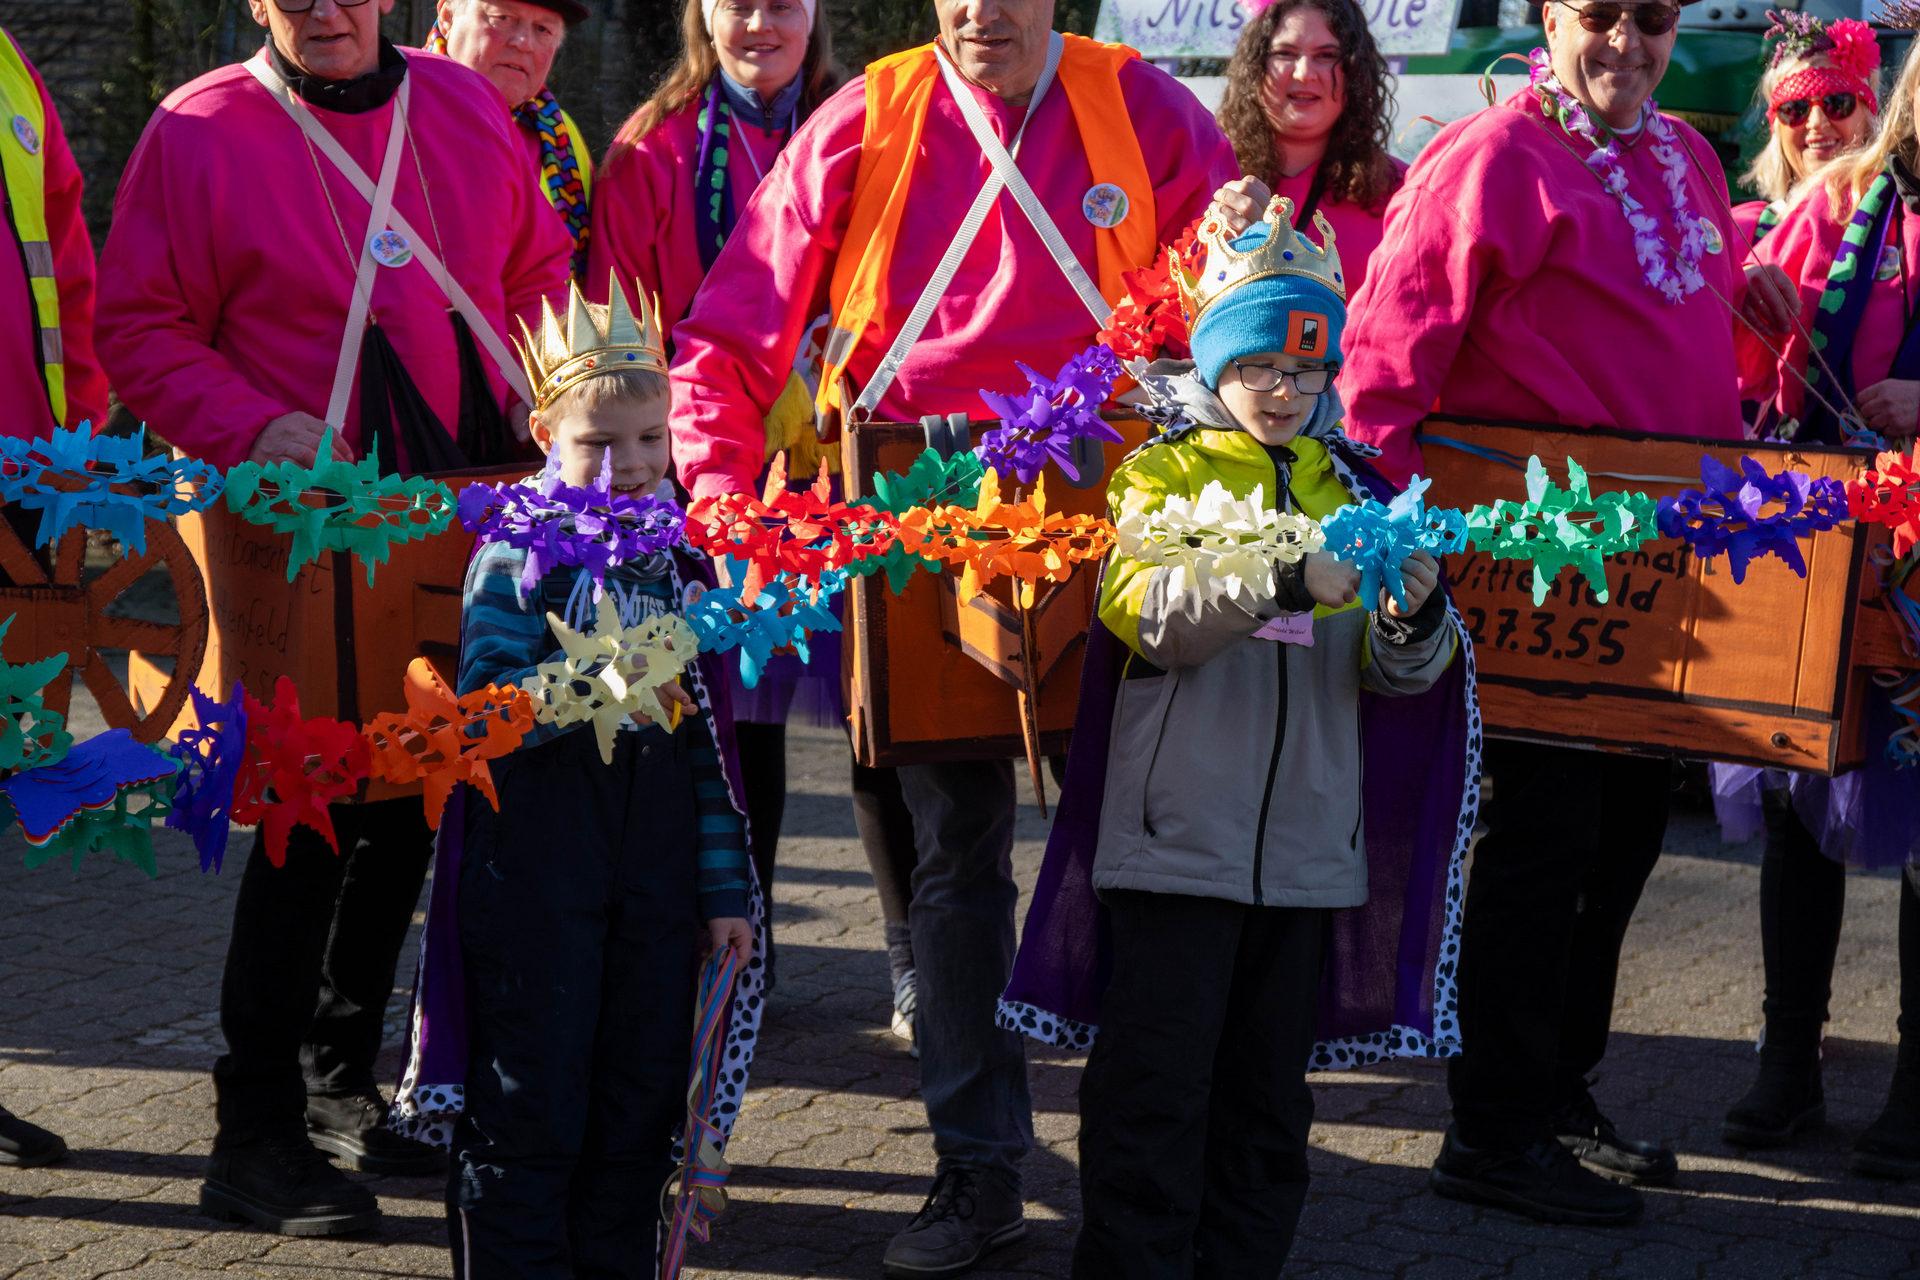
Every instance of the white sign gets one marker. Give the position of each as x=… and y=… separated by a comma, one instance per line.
x=1210, y=28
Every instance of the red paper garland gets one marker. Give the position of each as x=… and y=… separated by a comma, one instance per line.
x=803, y=533
x=1888, y=493
x=294, y=769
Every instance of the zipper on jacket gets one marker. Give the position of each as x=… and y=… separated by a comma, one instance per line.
x=1146, y=780
x=1273, y=769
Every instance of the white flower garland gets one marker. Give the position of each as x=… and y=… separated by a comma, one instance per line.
x=1216, y=543
x=1674, y=278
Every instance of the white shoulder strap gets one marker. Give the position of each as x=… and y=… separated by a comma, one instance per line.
x=490, y=340
x=1006, y=175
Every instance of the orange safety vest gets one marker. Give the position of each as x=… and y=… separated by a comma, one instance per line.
x=899, y=89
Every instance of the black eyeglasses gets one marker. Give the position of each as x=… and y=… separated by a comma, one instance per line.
x=1836, y=106
x=296, y=6
x=1264, y=377
x=1652, y=19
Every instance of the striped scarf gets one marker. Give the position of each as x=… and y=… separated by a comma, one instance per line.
x=559, y=165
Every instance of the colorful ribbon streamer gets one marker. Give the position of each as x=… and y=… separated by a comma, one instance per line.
x=698, y=1188
x=560, y=525
x=803, y=533
x=781, y=616
x=104, y=795
x=1888, y=493
x=1001, y=539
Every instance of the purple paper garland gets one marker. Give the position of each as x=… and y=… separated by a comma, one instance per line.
x=1042, y=423
x=1728, y=515
x=560, y=525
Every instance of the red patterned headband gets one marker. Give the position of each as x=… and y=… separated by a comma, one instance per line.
x=1814, y=83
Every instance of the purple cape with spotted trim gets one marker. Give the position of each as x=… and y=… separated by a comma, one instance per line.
x=1388, y=989
x=432, y=1090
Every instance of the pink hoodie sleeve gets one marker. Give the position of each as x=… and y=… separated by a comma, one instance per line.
x=1802, y=246
x=643, y=218
x=73, y=269
x=1449, y=229
x=160, y=304
x=734, y=351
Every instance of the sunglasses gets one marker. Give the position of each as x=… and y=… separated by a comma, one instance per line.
x=1652, y=19
x=1264, y=377
x=1836, y=106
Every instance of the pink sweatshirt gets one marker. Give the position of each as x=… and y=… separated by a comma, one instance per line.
x=1356, y=230
x=28, y=413
x=1506, y=287
x=643, y=218
x=1803, y=246
x=225, y=283
x=1009, y=300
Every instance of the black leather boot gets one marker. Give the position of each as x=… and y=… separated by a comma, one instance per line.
x=1890, y=1148
x=27, y=1146
x=281, y=1183
x=353, y=1127
x=1786, y=1100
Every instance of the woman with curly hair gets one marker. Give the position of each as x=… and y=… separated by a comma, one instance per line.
x=1307, y=108
x=1821, y=102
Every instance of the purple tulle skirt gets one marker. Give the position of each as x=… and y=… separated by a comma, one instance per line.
x=1867, y=818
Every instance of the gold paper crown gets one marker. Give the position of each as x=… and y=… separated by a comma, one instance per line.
x=595, y=340
x=1285, y=252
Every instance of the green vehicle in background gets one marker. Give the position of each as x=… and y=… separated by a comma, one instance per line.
x=1710, y=83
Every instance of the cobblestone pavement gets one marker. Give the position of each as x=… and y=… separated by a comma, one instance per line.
x=110, y=983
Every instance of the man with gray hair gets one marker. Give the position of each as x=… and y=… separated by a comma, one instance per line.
x=513, y=43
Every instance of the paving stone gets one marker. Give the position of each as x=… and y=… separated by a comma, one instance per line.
x=111, y=983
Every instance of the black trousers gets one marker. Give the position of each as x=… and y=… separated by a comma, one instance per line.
x=1803, y=896
x=1194, y=1107
x=310, y=965
x=1571, y=838
x=580, y=955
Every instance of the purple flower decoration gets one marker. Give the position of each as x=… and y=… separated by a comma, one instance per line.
x=559, y=525
x=210, y=758
x=1043, y=422
x=1730, y=514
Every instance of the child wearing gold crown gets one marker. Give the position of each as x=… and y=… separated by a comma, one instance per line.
x=552, y=1024
x=1215, y=844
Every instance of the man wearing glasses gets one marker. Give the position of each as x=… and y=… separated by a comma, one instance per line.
x=330, y=236
x=1563, y=257
x=513, y=43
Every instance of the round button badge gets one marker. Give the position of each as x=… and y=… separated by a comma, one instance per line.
x=1711, y=234
x=1104, y=205
x=390, y=248
x=23, y=132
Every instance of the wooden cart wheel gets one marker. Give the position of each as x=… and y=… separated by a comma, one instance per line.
x=63, y=614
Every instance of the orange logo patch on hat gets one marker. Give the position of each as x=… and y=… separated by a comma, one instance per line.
x=1307, y=334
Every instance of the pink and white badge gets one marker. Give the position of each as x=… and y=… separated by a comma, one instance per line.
x=1289, y=628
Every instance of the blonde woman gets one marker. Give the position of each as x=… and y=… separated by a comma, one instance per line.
x=1819, y=88
x=1850, y=245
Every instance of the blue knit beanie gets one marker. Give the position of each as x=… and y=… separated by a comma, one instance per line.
x=1292, y=314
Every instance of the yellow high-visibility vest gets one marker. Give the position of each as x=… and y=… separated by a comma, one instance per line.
x=23, y=167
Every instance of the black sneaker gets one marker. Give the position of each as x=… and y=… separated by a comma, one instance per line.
x=967, y=1216
x=27, y=1146
x=1787, y=1100
x=1594, y=1142
x=283, y=1184
x=353, y=1127
x=1543, y=1182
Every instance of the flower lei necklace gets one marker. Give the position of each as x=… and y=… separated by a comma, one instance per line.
x=1675, y=279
